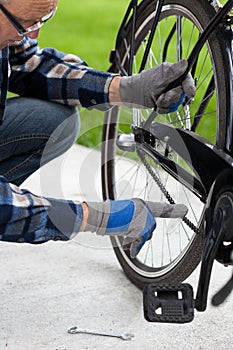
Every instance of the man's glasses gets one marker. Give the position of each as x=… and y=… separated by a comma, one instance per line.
x=24, y=31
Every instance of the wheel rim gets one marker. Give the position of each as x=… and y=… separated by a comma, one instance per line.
x=164, y=244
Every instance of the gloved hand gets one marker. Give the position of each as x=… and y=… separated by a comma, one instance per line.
x=146, y=89
x=131, y=219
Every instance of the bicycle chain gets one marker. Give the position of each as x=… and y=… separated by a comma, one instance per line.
x=165, y=192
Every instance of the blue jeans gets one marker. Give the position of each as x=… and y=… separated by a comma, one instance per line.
x=29, y=127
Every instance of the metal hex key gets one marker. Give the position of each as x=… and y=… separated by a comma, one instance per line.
x=124, y=336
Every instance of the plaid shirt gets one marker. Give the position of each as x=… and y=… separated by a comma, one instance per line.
x=47, y=74
x=25, y=217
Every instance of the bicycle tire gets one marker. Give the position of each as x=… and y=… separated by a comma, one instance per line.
x=198, y=13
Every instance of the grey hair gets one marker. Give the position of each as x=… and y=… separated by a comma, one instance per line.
x=3, y=1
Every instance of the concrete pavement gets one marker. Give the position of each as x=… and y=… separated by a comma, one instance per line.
x=47, y=289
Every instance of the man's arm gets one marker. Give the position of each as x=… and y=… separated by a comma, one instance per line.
x=114, y=91
x=53, y=75
x=25, y=217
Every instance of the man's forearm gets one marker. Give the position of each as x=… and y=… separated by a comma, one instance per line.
x=62, y=78
x=114, y=91
x=26, y=217
x=84, y=216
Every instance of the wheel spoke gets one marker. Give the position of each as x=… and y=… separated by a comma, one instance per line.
x=138, y=173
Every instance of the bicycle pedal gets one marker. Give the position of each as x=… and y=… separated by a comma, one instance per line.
x=168, y=303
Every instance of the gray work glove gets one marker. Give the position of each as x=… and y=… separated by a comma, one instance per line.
x=146, y=89
x=132, y=219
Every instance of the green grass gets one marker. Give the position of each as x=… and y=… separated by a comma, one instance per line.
x=89, y=31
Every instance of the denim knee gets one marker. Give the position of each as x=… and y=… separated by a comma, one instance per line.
x=63, y=136
x=33, y=133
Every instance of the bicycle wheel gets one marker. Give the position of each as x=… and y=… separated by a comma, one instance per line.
x=129, y=170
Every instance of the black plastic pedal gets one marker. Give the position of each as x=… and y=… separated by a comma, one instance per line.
x=168, y=303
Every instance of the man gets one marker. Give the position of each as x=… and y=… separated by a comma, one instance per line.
x=51, y=85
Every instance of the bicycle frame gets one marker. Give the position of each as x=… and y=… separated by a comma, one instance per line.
x=221, y=20
x=218, y=159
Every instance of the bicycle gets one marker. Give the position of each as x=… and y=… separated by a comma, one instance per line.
x=175, y=157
